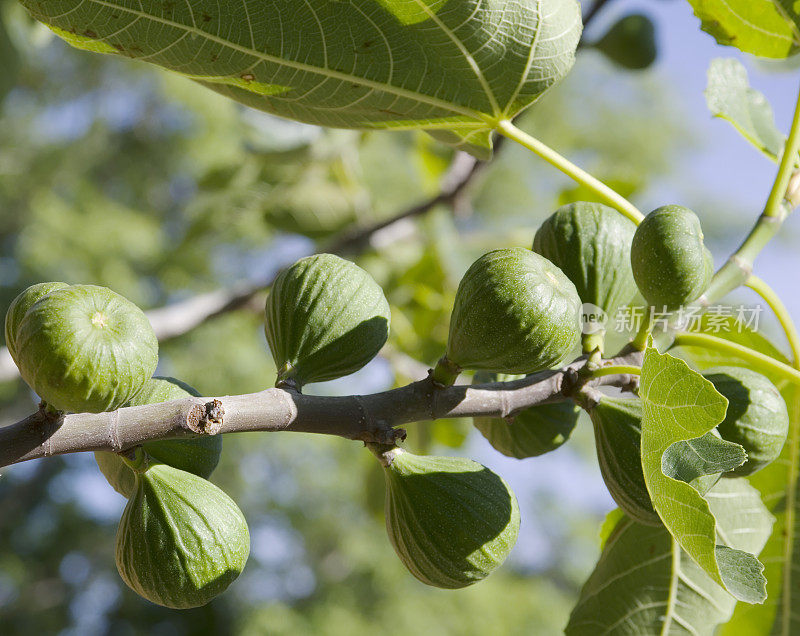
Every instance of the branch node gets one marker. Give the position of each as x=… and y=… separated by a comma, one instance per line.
x=205, y=419
x=570, y=382
x=48, y=413
x=113, y=432
x=630, y=383
x=588, y=397
x=384, y=452
x=288, y=384
x=744, y=265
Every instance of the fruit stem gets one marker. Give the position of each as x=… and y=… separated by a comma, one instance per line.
x=594, y=342
x=618, y=369
x=136, y=459
x=759, y=360
x=384, y=452
x=604, y=193
x=783, y=198
x=445, y=372
x=639, y=341
x=766, y=292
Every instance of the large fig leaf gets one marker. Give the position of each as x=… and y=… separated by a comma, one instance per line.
x=679, y=404
x=767, y=28
x=779, y=488
x=645, y=584
x=730, y=97
x=779, y=485
x=446, y=66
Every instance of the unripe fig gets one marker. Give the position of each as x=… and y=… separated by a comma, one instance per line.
x=631, y=42
x=618, y=435
x=671, y=265
x=451, y=521
x=197, y=455
x=85, y=348
x=756, y=419
x=535, y=431
x=118, y=474
x=20, y=306
x=181, y=540
x=514, y=312
x=591, y=244
x=326, y=318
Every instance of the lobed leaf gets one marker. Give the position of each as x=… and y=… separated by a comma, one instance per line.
x=644, y=583
x=679, y=404
x=689, y=461
x=767, y=28
x=778, y=485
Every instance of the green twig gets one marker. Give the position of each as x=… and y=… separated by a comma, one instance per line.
x=781, y=313
x=594, y=342
x=445, y=373
x=764, y=362
x=639, y=341
x=619, y=369
x=606, y=194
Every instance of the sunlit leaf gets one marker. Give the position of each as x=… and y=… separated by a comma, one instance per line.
x=645, y=584
x=679, y=404
x=449, y=67
x=778, y=485
x=767, y=28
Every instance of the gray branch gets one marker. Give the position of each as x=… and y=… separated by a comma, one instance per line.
x=370, y=418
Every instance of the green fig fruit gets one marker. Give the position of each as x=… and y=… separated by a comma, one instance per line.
x=631, y=42
x=618, y=433
x=84, y=348
x=514, y=312
x=451, y=521
x=326, y=318
x=181, y=540
x=197, y=455
x=20, y=306
x=591, y=244
x=671, y=265
x=535, y=431
x=757, y=417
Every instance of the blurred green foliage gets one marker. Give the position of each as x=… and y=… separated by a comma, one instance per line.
x=115, y=174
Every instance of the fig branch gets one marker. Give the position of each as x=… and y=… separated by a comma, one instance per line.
x=755, y=358
x=781, y=313
x=370, y=418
